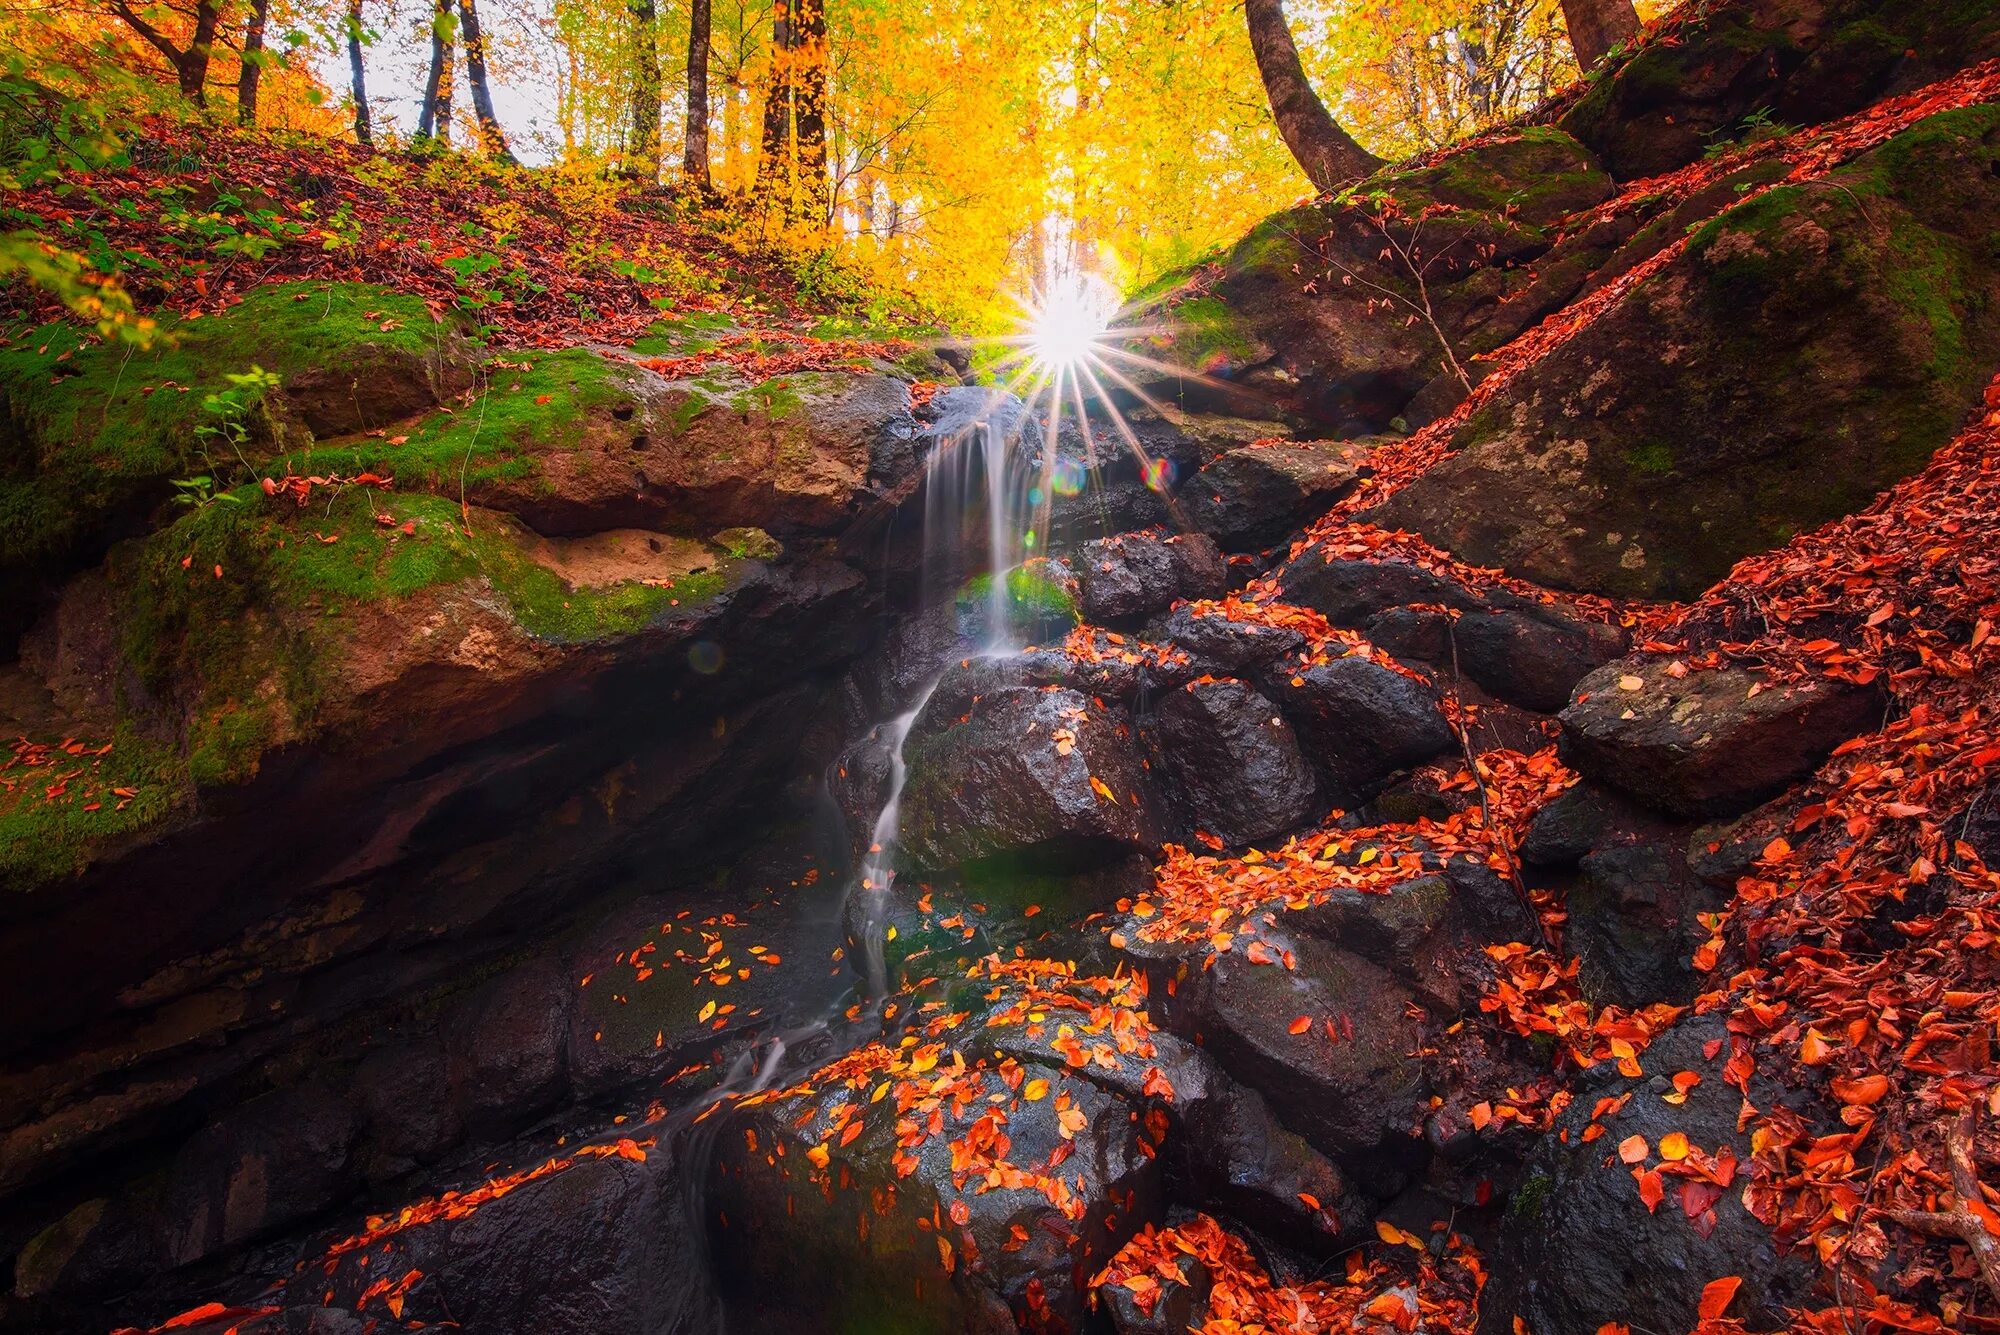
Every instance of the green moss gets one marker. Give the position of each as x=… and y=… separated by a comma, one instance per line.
x=1035, y=602
x=47, y=836
x=684, y=335
x=1654, y=457
x=1206, y=326
x=513, y=416
x=1531, y=1197
x=95, y=429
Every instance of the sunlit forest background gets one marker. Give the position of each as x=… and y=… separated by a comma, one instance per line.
x=970, y=147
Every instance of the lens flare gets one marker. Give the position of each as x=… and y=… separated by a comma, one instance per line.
x=1072, y=315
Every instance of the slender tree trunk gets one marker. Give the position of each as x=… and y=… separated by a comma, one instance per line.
x=482, y=92
x=773, y=160
x=1328, y=154
x=434, y=121
x=812, y=202
x=357, y=76
x=1595, y=26
x=190, y=66
x=642, y=157
x=253, y=63
x=694, y=158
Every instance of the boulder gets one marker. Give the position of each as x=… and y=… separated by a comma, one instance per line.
x=1747, y=63
x=1217, y=646
x=1632, y=922
x=816, y=1230
x=1359, y=723
x=1575, y=821
x=1134, y=575
x=1292, y=318
x=1580, y=1248
x=604, y=1245
x=1234, y=761
x=1254, y=495
x=275, y=1161
x=1710, y=742
x=507, y=1047
x=1348, y=592
x=1815, y=365
x=1043, y=773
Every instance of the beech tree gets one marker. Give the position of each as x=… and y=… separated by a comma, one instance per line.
x=190, y=62
x=252, y=63
x=356, y=75
x=694, y=157
x=792, y=162
x=434, y=119
x=494, y=138
x=642, y=148
x=1596, y=26
x=1326, y=153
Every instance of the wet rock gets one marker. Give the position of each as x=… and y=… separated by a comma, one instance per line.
x=507, y=1047
x=1135, y=575
x=1360, y=723
x=1532, y=656
x=1353, y=1093
x=1576, y=821
x=605, y=1246
x=1047, y=774
x=1252, y=496
x=1234, y=760
x=1486, y=903
x=1711, y=742
x=403, y=1096
x=1176, y=1307
x=864, y=1244
x=275, y=1161
x=1218, y=646
x=1349, y=592
x=1580, y=1247
x=1632, y=923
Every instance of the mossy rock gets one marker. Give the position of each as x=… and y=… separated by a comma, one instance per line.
x=93, y=431
x=1829, y=336
x=1538, y=175
x=253, y=624
x=1036, y=603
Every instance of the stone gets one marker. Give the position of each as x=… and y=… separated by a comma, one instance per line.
x=1234, y=761
x=1046, y=774
x=507, y=1047
x=1814, y=367
x=1359, y=723
x=1254, y=495
x=1348, y=592
x=1134, y=575
x=1218, y=646
x=1632, y=923
x=1580, y=1248
x=1712, y=742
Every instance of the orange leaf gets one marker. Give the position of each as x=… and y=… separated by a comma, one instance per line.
x=1633, y=1149
x=1716, y=1296
x=1674, y=1146
x=1300, y=1025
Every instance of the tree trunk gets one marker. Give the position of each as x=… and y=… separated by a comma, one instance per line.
x=694, y=159
x=1595, y=26
x=482, y=93
x=642, y=156
x=194, y=61
x=812, y=202
x=1328, y=154
x=434, y=121
x=252, y=64
x=772, y=159
x=357, y=78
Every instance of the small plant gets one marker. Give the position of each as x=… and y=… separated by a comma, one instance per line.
x=228, y=428
x=199, y=492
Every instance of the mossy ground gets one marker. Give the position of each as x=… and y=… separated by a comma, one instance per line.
x=521, y=405
x=53, y=816
x=90, y=425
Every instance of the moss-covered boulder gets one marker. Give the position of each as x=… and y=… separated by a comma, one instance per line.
x=254, y=624
x=1812, y=346
x=1321, y=310
x=91, y=433
x=1742, y=68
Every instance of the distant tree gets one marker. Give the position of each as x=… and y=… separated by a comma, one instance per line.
x=357, y=76
x=252, y=64
x=1326, y=153
x=642, y=149
x=1597, y=26
x=495, y=139
x=434, y=119
x=190, y=63
x=694, y=158
x=792, y=162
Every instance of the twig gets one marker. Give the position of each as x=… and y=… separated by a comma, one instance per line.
x=1959, y=1219
x=1485, y=808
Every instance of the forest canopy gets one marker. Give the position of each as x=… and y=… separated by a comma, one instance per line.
x=953, y=153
